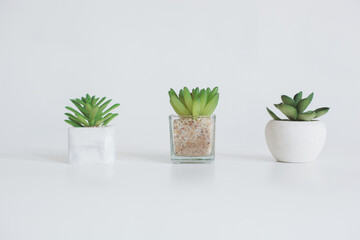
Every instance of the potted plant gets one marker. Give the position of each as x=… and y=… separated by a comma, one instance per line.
x=299, y=138
x=91, y=140
x=192, y=130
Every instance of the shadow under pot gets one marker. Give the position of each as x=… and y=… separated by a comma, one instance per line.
x=192, y=139
x=91, y=145
x=295, y=141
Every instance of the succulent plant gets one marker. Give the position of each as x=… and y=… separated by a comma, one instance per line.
x=294, y=108
x=195, y=103
x=92, y=112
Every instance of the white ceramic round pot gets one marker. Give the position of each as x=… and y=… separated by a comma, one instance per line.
x=295, y=141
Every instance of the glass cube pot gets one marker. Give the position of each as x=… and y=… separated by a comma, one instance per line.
x=91, y=145
x=192, y=139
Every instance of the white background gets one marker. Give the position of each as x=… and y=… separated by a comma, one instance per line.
x=133, y=52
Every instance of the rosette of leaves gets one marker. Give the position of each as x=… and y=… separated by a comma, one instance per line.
x=294, y=108
x=198, y=102
x=91, y=112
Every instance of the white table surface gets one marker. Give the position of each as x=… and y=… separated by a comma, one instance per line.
x=144, y=196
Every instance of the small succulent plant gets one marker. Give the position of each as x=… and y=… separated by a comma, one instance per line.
x=294, y=108
x=195, y=103
x=91, y=112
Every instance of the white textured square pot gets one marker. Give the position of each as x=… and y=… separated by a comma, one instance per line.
x=91, y=145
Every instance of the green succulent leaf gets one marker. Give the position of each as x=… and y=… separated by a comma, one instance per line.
x=178, y=112
x=304, y=103
x=177, y=105
x=88, y=97
x=73, y=110
x=196, y=93
x=307, y=116
x=74, y=124
x=188, y=99
x=203, y=99
x=82, y=119
x=80, y=101
x=73, y=118
x=106, y=122
x=88, y=107
x=107, y=116
x=84, y=100
x=82, y=109
x=297, y=98
x=272, y=114
x=181, y=96
x=93, y=114
x=288, y=100
x=101, y=101
x=102, y=107
x=93, y=101
x=211, y=105
x=70, y=115
x=111, y=108
x=287, y=110
x=208, y=91
x=196, y=106
x=101, y=120
x=213, y=92
x=321, y=111
x=99, y=115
